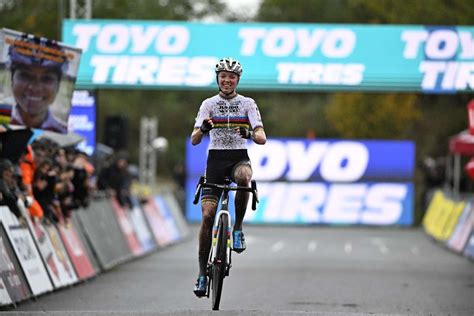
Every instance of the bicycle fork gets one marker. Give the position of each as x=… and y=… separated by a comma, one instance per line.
x=215, y=232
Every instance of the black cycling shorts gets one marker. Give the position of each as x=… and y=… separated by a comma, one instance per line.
x=222, y=164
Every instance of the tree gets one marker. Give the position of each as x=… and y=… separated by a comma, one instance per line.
x=429, y=12
x=381, y=116
x=38, y=17
x=44, y=17
x=182, y=10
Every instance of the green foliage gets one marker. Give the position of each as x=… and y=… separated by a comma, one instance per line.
x=292, y=114
x=156, y=9
x=381, y=116
x=39, y=17
x=175, y=112
x=44, y=17
x=434, y=12
x=314, y=11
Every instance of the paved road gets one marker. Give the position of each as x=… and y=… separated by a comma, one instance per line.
x=286, y=271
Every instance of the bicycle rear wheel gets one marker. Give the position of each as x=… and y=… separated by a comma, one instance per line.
x=219, y=264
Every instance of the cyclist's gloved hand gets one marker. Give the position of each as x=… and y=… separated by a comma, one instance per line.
x=244, y=132
x=206, y=126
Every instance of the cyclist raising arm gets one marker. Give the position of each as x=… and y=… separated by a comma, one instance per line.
x=230, y=119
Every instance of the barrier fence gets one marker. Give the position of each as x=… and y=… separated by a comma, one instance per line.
x=449, y=220
x=37, y=258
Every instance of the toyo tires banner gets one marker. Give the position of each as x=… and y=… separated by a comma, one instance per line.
x=280, y=56
x=322, y=181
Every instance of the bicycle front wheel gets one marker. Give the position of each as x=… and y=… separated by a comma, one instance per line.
x=219, y=264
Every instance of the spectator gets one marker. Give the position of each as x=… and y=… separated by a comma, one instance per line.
x=8, y=188
x=44, y=184
x=83, y=171
x=27, y=167
x=117, y=178
x=64, y=189
x=434, y=176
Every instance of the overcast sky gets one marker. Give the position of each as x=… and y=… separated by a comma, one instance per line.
x=244, y=6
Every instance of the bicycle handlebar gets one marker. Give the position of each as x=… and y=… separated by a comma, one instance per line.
x=227, y=187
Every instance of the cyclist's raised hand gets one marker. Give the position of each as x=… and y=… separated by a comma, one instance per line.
x=243, y=132
x=206, y=126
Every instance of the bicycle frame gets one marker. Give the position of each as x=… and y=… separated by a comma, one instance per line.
x=224, y=210
x=215, y=262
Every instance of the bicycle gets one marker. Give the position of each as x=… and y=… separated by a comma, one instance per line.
x=220, y=257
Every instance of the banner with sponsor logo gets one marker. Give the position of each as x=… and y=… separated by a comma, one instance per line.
x=469, y=249
x=127, y=228
x=158, y=224
x=37, y=78
x=102, y=230
x=442, y=215
x=13, y=281
x=279, y=56
x=322, y=181
x=5, y=298
x=86, y=242
x=142, y=229
x=30, y=259
x=463, y=229
x=57, y=263
x=82, y=119
x=27, y=254
x=76, y=251
x=177, y=212
x=167, y=215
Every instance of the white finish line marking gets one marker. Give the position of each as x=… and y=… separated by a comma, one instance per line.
x=348, y=248
x=278, y=246
x=312, y=246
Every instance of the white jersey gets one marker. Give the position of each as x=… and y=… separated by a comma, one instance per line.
x=226, y=115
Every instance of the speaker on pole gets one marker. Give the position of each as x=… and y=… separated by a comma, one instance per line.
x=116, y=132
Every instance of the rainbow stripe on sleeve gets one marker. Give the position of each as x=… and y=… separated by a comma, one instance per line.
x=5, y=113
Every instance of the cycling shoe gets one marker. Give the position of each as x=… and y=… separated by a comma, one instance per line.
x=200, y=288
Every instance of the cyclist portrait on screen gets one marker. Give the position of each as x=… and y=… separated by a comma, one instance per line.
x=231, y=120
x=36, y=66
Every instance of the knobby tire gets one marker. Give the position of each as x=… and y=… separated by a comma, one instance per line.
x=219, y=266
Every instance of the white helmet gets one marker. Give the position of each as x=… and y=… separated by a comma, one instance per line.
x=229, y=64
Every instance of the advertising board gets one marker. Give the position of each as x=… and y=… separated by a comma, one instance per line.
x=14, y=287
x=323, y=181
x=82, y=119
x=37, y=78
x=275, y=56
